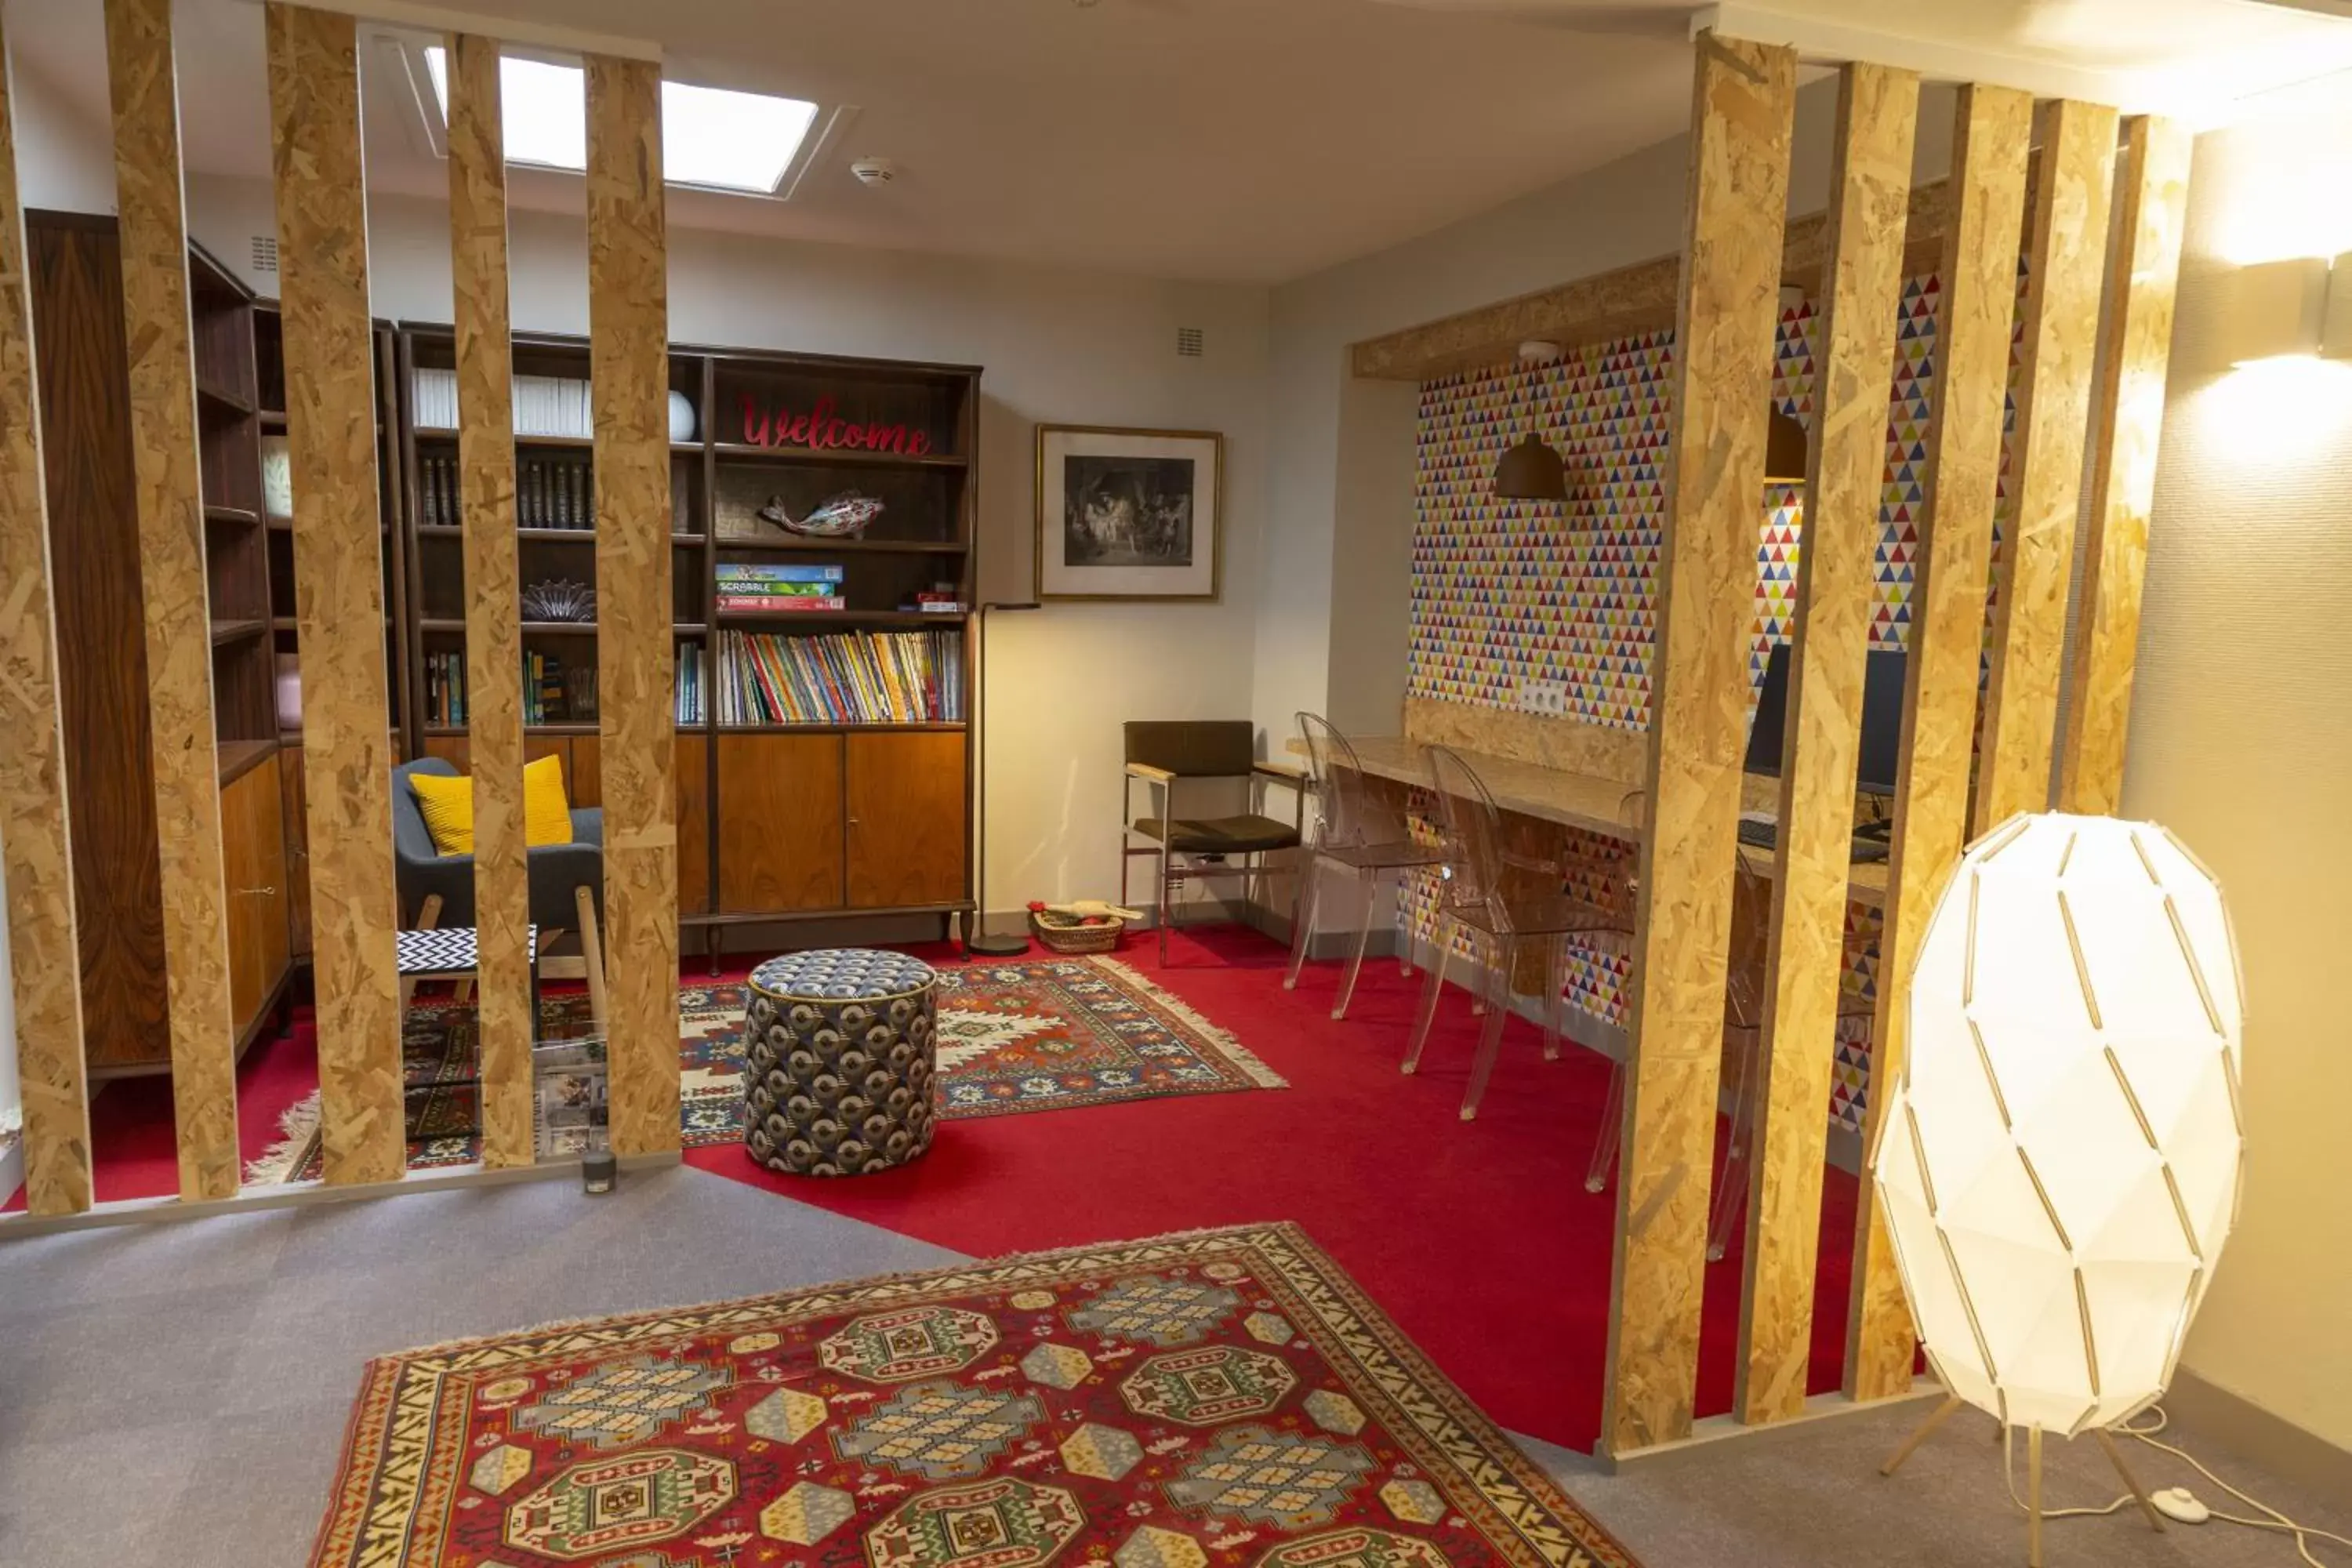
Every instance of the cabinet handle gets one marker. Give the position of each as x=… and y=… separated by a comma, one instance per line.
x=263, y=892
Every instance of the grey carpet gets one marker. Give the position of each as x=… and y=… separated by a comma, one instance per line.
x=176, y=1394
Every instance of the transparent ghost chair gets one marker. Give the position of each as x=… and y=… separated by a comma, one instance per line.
x=1506, y=904
x=1355, y=834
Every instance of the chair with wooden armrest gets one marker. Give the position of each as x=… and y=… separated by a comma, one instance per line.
x=1191, y=768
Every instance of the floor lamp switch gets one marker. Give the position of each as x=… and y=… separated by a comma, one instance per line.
x=2180, y=1503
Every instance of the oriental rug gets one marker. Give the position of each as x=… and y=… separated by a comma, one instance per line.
x=1040, y=1035
x=1225, y=1397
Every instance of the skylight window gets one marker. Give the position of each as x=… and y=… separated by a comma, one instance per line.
x=711, y=136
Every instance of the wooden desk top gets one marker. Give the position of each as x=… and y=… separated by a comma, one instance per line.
x=1587, y=801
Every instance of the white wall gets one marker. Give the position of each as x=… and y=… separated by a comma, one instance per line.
x=1059, y=346
x=2241, y=735
x=62, y=160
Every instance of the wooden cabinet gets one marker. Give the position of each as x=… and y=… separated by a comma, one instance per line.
x=293, y=784
x=693, y=826
x=780, y=827
x=253, y=871
x=906, y=794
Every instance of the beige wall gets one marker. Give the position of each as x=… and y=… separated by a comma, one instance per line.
x=2241, y=739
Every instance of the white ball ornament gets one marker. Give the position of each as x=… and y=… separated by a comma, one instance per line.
x=2058, y=1160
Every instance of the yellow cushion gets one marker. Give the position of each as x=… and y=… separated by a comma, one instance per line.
x=448, y=806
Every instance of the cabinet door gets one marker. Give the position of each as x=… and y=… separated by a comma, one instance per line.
x=693, y=824
x=293, y=791
x=779, y=823
x=908, y=802
x=253, y=861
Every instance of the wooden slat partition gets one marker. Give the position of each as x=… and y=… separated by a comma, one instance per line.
x=486, y=461
x=1878, y=112
x=45, y=967
x=2127, y=417
x=1743, y=100
x=163, y=402
x=2066, y=271
x=1931, y=794
x=628, y=314
x=338, y=586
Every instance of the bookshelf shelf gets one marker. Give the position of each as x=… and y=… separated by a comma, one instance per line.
x=225, y=631
x=547, y=535
x=848, y=546
x=834, y=457
x=775, y=620
x=218, y=401
x=232, y=515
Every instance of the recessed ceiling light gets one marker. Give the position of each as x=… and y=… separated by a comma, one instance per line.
x=713, y=137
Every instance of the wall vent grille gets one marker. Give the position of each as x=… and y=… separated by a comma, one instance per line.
x=265, y=253
x=1189, y=342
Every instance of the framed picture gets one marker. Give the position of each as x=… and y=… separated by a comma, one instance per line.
x=1128, y=514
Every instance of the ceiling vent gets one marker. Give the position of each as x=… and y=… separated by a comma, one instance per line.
x=1189, y=342
x=265, y=253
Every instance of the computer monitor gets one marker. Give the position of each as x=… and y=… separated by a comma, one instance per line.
x=1882, y=719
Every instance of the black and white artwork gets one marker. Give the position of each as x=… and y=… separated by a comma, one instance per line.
x=1127, y=514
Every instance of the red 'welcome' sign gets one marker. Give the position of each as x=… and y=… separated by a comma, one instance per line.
x=820, y=427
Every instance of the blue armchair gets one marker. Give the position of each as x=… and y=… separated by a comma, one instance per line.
x=567, y=884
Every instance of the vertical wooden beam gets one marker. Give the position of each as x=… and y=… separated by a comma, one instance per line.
x=1931, y=788
x=314, y=100
x=1743, y=99
x=1878, y=115
x=151, y=223
x=2127, y=419
x=486, y=458
x=629, y=323
x=36, y=854
x=2065, y=272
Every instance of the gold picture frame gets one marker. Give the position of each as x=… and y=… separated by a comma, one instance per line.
x=1119, y=514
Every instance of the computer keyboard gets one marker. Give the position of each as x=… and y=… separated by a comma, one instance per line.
x=1762, y=833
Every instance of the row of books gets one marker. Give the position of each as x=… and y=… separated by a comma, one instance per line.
x=550, y=492
x=692, y=681
x=762, y=588
x=543, y=404
x=848, y=678
x=551, y=692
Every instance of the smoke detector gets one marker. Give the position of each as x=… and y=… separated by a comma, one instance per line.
x=1538, y=350
x=874, y=170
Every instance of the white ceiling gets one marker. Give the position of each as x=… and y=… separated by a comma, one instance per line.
x=1241, y=140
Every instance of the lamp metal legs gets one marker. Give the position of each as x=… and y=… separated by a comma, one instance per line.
x=1920, y=1434
x=2034, y=1512
x=2116, y=1458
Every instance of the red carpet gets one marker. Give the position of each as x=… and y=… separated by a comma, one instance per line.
x=1479, y=1239
x=132, y=1154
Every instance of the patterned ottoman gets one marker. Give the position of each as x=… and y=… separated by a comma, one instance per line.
x=838, y=1059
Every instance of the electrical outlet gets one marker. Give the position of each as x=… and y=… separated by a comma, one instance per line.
x=1549, y=697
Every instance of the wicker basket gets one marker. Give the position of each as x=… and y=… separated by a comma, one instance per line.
x=1063, y=934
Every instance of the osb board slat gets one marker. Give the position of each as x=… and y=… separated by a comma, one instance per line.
x=1744, y=98
x=629, y=367
x=486, y=461
x=1870, y=182
x=1993, y=128
x=163, y=405
x=1639, y=298
x=43, y=965
x=1566, y=743
x=2065, y=273
x=338, y=577
x=2127, y=417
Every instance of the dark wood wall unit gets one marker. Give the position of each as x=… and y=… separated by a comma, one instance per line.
x=77, y=279
x=76, y=287
x=776, y=822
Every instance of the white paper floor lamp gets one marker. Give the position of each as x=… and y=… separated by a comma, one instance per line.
x=2058, y=1163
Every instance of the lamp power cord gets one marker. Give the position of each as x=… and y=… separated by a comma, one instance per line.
x=2151, y=1435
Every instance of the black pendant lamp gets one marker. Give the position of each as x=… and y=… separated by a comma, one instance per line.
x=1785, y=451
x=1532, y=470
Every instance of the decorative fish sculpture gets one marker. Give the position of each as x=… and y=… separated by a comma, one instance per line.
x=837, y=516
